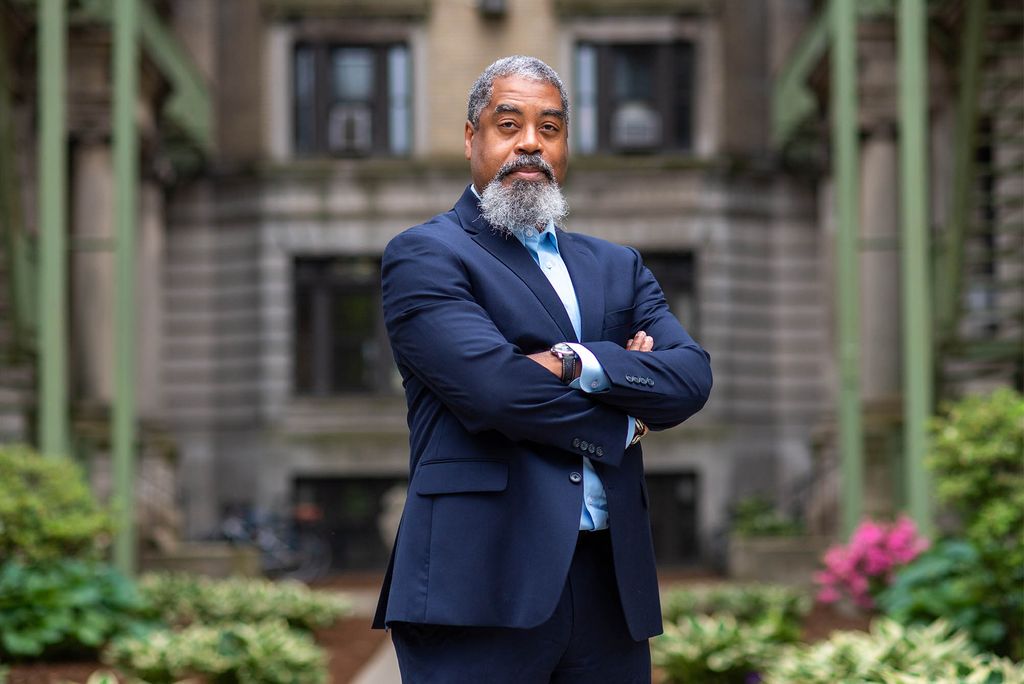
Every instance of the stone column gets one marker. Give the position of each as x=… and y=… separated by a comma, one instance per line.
x=880, y=266
x=149, y=319
x=92, y=272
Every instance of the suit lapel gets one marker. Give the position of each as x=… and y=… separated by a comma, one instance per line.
x=583, y=269
x=509, y=251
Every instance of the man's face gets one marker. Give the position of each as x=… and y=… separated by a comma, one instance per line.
x=524, y=117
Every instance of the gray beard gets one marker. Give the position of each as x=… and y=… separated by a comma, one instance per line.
x=522, y=204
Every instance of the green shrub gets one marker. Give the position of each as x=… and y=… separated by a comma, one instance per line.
x=757, y=517
x=780, y=609
x=949, y=581
x=977, y=458
x=66, y=607
x=47, y=510
x=891, y=654
x=713, y=649
x=267, y=652
x=183, y=599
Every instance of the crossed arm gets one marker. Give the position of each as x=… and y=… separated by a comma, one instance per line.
x=641, y=342
x=490, y=384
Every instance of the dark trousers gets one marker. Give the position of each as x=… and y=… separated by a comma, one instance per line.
x=585, y=640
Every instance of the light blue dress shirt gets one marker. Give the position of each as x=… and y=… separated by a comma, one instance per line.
x=543, y=247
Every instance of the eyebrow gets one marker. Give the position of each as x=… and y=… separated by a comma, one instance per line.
x=503, y=108
x=512, y=109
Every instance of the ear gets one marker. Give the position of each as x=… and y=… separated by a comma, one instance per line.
x=470, y=131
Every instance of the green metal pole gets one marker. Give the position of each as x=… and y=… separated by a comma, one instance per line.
x=53, y=371
x=126, y=174
x=917, y=318
x=845, y=172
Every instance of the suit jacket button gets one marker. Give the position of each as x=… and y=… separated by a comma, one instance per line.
x=592, y=448
x=575, y=478
x=645, y=381
x=600, y=451
x=650, y=382
x=584, y=445
x=576, y=442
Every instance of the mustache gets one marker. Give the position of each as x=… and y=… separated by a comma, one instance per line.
x=525, y=161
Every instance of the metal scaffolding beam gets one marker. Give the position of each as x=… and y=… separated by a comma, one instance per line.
x=845, y=173
x=916, y=290
x=126, y=151
x=52, y=197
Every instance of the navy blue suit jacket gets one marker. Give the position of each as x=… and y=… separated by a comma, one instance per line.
x=497, y=441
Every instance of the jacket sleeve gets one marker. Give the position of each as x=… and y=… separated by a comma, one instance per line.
x=442, y=335
x=662, y=387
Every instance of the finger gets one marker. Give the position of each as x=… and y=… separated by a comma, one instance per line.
x=648, y=344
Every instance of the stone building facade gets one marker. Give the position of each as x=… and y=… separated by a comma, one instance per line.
x=271, y=268
x=338, y=124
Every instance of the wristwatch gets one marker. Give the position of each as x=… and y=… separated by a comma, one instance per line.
x=568, y=357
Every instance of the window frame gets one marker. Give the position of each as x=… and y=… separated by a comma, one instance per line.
x=380, y=372
x=322, y=49
x=667, y=92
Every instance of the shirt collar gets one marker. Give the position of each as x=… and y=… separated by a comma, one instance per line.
x=530, y=238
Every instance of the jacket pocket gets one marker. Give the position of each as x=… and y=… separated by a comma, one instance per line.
x=459, y=477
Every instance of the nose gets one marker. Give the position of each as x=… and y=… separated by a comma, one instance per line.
x=528, y=142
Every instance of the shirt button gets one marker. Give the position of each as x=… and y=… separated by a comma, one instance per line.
x=549, y=264
x=575, y=478
x=590, y=500
x=594, y=384
x=529, y=232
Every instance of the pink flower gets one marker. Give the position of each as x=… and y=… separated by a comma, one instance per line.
x=868, y=534
x=828, y=595
x=868, y=563
x=876, y=561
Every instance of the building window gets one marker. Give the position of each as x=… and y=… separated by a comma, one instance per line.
x=352, y=100
x=340, y=346
x=674, y=504
x=634, y=98
x=676, y=274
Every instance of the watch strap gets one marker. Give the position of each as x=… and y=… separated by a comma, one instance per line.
x=568, y=368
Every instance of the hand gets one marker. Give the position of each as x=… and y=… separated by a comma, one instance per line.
x=641, y=342
x=549, y=361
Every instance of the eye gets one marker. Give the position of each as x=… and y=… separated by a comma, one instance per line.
x=507, y=124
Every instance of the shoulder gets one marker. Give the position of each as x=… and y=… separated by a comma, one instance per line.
x=442, y=233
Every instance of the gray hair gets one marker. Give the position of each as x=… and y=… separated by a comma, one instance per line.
x=516, y=65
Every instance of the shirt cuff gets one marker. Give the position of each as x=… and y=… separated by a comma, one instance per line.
x=592, y=378
x=631, y=431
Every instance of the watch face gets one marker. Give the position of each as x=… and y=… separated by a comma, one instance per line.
x=561, y=349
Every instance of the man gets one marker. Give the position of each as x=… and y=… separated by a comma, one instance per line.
x=533, y=360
